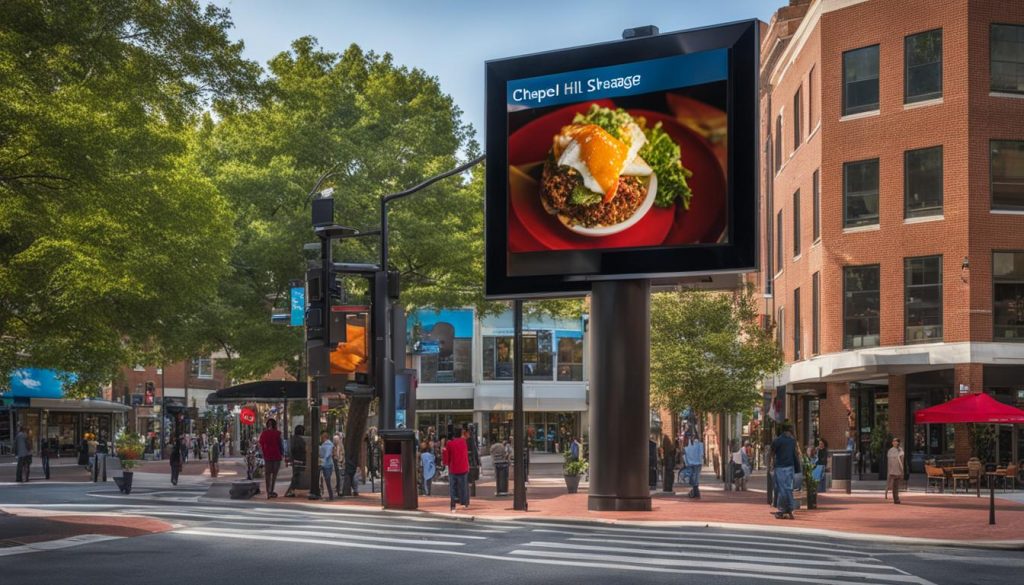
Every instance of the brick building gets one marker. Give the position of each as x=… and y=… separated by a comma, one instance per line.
x=893, y=209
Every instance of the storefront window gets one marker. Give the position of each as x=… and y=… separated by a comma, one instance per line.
x=570, y=359
x=1008, y=296
x=538, y=356
x=202, y=368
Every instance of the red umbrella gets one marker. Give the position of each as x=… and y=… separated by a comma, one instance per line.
x=972, y=408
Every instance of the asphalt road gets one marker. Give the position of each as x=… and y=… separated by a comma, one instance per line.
x=224, y=542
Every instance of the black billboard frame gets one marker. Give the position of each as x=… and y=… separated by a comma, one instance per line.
x=740, y=254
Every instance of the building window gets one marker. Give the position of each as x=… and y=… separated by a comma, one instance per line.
x=537, y=356
x=816, y=195
x=810, y=100
x=922, y=185
x=778, y=143
x=797, y=354
x=923, y=66
x=815, y=311
x=780, y=330
x=860, y=80
x=1008, y=296
x=922, y=280
x=1007, y=167
x=796, y=223
x=1007, y=41
x=860, y=306
x=570, y=359
x=201, y=368
x=860, y=196
x=797, y=130
x=778, y=243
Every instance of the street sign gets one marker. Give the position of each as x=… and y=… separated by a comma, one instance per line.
x=298, y=304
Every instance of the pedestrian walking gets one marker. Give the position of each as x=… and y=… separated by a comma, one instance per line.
x=214, y=456
x=786, y=460
x=575, y=449
x=338, y=454
x=668, y=462
x=740, y=467
x=429, y=468
x=177, y=458
x=499, y=458
x=694, y=458
x=185, y=447
x=23, y=452
x=820, y=465
x=44, y=452
x=456, y=458
x=327, y=462
x=273, y=449
x=896, y=465
x=297, y=453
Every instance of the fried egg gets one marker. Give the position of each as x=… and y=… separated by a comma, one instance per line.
x=599, y=157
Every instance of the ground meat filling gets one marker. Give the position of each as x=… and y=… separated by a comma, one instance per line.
x=557, y=184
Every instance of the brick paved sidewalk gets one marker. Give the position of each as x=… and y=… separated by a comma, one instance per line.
x=23, y=526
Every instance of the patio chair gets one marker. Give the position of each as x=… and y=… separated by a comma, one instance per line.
x=959, y=477
x=974, y=472
x=935, y=477
x=1010, y=477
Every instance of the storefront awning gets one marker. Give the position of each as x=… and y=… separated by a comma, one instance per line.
x=263, y=391
x=86, y=405
x=973, y=408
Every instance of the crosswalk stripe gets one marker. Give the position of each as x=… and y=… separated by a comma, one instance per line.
x=762, y=569
x=715, y=545
x=713, y=537
x=729, y=556
x=283, y=524
x=378, y=516
x=341, y=536
x=561, y=562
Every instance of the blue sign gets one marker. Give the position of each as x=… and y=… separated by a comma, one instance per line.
x=618, y=80
x=298, y=306
x=35, y=383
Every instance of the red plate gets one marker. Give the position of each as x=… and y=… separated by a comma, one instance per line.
x=532, y=229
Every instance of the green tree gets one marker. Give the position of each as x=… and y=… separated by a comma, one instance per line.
x=708, y=351
x=110, y=238
x=382, y=128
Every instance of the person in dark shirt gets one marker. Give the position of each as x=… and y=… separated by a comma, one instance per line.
x=786, y=462
x=820, y=464
x=297, y=451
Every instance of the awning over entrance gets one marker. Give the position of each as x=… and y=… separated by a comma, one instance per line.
x=86, y=405
x=973, y=408
x=267, y=391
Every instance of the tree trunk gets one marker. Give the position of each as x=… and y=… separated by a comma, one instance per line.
x=355, y=428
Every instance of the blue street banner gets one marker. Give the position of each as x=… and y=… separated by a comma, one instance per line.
x=618, y=80
x=298, y=306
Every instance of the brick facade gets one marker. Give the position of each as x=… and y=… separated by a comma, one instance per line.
x=802, y=51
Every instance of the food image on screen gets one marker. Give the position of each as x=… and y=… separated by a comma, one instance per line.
x=627, y=168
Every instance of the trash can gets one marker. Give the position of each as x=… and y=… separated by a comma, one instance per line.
x=501, y=478
x=842, y=470
x=399, y=469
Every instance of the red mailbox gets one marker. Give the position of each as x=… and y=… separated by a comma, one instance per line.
x=398, y=463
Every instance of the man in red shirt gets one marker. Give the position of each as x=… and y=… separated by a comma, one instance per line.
x=456, y=457
x=272, y=447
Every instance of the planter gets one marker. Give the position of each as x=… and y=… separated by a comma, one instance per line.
x=812, y=500
x=572, y=483
x=124, y=483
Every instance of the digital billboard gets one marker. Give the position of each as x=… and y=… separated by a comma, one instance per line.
x=631, y=159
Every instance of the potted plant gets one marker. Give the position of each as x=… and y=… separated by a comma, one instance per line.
x=130, y=447
x=572, y=469
x=810, y=486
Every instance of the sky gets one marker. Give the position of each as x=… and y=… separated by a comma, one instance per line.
x=451, y=39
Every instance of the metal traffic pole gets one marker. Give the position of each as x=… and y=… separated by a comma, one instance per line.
x=518, y=419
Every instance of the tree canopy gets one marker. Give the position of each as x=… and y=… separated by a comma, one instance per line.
x=383, y=128
x=708, y=351
x=109, y=235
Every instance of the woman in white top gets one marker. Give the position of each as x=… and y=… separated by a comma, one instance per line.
x=741, y=464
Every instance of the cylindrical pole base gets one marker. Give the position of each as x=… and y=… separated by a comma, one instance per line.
x=620, y=415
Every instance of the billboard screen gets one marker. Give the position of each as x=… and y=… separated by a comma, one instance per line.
x=633, y=159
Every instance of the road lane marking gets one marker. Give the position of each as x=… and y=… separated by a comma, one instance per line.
x=58, y=544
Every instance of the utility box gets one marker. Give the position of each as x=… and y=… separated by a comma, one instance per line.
x=398, y=466
x=842, y=470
